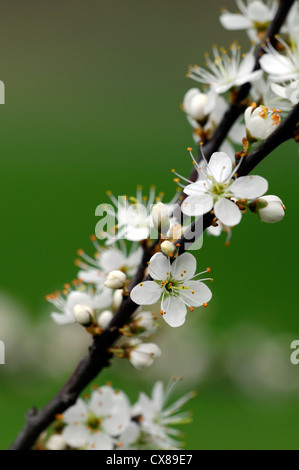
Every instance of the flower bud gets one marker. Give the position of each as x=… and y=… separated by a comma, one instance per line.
x=160, y=218
x=260, y=122
x=104, y=318
x=115, y=279
x=117, y=299
x=167, y=247
x=83, y=314
x=195, y=103
x=271, y=209
x=142, y=355
x=56, y=442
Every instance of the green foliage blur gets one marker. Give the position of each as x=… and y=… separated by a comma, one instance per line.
x=93, y=93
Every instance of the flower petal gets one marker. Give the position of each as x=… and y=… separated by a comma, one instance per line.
x=201, y=186
x=146, y=293
x=99, y=441
x=227, y=212
x=175, y=311
x=76, y=413
x=220, y=166
x=234, y=21
x=197, y=205
x=196, y=293
x=62, y=318
x=75, y=435
x=249, y=187
x=159, y=266
x=183, y=267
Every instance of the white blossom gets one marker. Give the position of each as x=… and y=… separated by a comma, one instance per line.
x=56, y=442
x=281, y=66
x=95, y=270
x=96, y=424
x=66, y=302
x=82, y=314
x=226, y=72
x=156, y=419
x=168, y=248
x=255, y=17
x=288, y=92
x=216, y=187
x=172, y=283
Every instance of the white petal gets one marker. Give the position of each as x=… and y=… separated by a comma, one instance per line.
x=197, y=205
x=75, y=435
x=234, y=21
x=62, y=318
x=246, y=65
x=202, y=293
x=276, y=65
x=159, y=266
x=136, y=234
x=146, y=293
x=92, y=276
x=175, y=311
x=78, y=298
x=183, y=267
x=220, y=166
x=249, y=187
x=200, y=187
x=227, y=212
x=112, y=259
x=259, y=12
x=99, y=441
x=76, y=413
x=103, y=299
x=130, y=434
x=250, y=77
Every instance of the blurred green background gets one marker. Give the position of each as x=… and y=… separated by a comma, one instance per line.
x=93, y=90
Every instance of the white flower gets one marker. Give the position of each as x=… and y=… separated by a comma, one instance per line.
x=95, y=270
x=172, y=284
x=216, y=187
x=226, y=72
x=260, y=122
x=281, y=66
x=56, y=442
x=156, y=420
x=115, y=279
x=141, y=355
x=134, y=220
x=94, y=301
x=270, y=209
x=255, y=16
x=96, y=424
x=288, y=92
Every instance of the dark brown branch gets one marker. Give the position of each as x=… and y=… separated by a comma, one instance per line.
x=98, y=356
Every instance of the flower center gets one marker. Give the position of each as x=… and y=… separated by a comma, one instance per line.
x=93, y=422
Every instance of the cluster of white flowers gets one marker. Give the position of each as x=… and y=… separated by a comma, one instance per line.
x=107, y=421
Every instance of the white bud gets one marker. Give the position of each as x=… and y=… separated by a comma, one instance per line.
x=104, y=318
x=273, y=212
x=167, y=247
x=142, y=355
x=83, y=314
x=56, y=442
x=160, y=217
x=195, y=104
x=260, y=122
x=117, y=299
x=115, y=279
